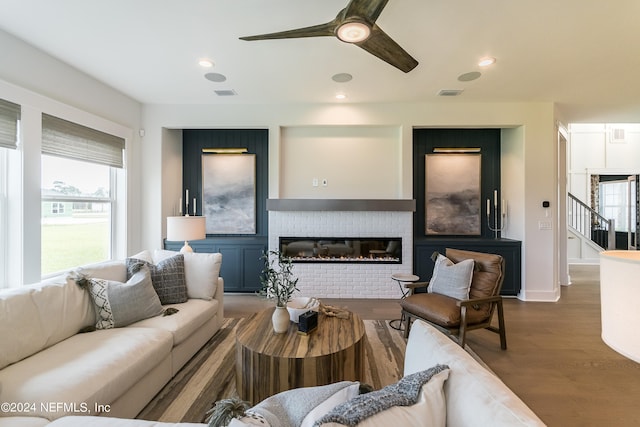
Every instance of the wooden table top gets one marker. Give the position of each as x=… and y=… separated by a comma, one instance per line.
x=331, y=336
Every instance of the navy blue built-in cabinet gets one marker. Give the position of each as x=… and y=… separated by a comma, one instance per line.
x=488, y=143
x=241, y=263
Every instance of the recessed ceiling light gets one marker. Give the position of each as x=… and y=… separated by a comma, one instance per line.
x=206, y=63
x=341, y=96
x=342, y=77
x=486, y=61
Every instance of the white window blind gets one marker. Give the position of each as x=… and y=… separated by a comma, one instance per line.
x=9, y=116
x=63, y=138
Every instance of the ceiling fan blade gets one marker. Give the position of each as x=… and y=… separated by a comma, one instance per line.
x=381, y=45
x=321, y=30
x=369, y=10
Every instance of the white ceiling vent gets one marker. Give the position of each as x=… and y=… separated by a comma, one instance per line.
x=617, y=135
x=450, y=92
x=225, y=92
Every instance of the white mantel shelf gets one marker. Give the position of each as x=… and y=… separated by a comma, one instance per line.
x=317, y=205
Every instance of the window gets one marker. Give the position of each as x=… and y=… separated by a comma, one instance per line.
x=57, y=208
x=9, y=120
x=78, y=194
x=614, y=203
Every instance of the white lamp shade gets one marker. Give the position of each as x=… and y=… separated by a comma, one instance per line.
x=183, y=228
x=619, y=294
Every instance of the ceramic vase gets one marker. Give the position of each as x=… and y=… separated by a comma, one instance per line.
x=280, y=320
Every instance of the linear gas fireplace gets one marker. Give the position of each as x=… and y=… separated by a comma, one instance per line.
x=365, y=250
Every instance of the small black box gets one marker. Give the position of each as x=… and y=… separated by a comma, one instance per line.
x=308, y=321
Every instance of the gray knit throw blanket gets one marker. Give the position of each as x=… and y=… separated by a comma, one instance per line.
x=405, y=392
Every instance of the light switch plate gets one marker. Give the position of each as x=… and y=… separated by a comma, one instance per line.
x=544, y=225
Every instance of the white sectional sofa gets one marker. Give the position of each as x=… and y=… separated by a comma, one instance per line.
x=49, y=369
x=470, y=396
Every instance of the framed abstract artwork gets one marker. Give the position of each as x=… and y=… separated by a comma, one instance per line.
x=229, y=193
x=452, y=194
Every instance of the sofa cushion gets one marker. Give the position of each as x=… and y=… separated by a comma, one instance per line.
x=23, y=422
x=92, y=369
x=167, y=277
x=474, y=396
x=108, y=270
x=190, y=317
x=201, y=271
x=120, y=304
x=88, y=421
x=44, y=315
x=453, y=280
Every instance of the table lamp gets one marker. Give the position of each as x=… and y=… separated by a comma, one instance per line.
x=186, y=228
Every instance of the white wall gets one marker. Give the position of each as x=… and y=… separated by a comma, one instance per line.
x=346, y=162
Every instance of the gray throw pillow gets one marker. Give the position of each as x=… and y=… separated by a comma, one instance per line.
x=453, y=280
x=167, y=277
x=120, y=304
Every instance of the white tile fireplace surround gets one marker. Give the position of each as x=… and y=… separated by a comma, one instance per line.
x=346, y=280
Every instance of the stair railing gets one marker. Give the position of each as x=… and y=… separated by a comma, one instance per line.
x=590, y=223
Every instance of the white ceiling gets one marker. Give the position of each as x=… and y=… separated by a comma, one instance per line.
x=582, y=55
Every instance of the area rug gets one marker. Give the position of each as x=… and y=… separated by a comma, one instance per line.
x=210, y=375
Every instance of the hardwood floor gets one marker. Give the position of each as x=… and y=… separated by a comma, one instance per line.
x=555, y=361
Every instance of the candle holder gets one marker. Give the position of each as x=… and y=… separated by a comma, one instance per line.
x=497, y=228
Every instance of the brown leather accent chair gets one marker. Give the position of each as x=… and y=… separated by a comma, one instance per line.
x=459, y=316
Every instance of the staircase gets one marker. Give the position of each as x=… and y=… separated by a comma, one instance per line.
x=589, y=224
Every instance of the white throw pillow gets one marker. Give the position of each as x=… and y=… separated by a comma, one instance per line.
x=429, y=411
x=339, y=397
x=453, y=280
x=144, y=256
x=201, y=272
x=108, y=270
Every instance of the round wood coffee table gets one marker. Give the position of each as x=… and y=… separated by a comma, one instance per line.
x=268, y=363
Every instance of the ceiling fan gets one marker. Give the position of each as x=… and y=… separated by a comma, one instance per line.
x=355, y=24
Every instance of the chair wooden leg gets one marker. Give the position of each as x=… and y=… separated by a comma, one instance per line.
x=407, y=323
x=503, y=333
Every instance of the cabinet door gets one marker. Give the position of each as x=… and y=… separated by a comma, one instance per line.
x=241, y=266
x=230, y=269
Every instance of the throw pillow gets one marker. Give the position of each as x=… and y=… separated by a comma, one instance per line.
x=453, y=280
x=368, y=410
x=167, y=277
x=201, y=271
x=325, y=406
x=120, y=304
x=292, y=406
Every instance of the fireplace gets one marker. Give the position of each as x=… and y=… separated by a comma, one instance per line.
x=361, y=250
x=340, y=279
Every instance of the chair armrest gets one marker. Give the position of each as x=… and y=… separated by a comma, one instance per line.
x=474, y=301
